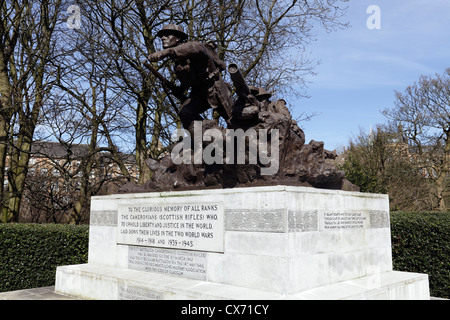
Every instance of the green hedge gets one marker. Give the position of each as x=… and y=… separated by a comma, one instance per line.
x=30, y=253
x=421, y=243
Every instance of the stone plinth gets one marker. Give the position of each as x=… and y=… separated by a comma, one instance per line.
x=246, y=243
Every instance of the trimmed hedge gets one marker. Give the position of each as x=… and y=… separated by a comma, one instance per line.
x=30, y=253
x=421, y=243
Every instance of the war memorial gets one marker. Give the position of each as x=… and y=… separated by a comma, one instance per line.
x=245, y=211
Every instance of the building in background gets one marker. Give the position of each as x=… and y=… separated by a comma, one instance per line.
x=59, y=174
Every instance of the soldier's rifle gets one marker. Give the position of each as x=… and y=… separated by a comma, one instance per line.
x=169, y=88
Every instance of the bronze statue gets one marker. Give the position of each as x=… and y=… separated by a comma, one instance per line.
x=269, y=129
x=198, y=68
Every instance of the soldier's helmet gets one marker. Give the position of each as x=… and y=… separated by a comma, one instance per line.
x=260, y=93
x=173, y=29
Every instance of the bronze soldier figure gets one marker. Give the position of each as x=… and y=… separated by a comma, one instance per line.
x=198, y=68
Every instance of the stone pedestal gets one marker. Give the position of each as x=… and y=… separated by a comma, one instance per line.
x=275, y=242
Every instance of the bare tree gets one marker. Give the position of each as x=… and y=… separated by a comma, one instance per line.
x=27, y=83
x=12, y=17
x=380, y=162
x=125, y=37
x=95, y=112
x=423, y=111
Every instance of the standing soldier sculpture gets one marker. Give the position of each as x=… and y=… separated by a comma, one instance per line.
x=198, y=68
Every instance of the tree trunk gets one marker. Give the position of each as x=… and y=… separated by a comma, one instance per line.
x=442, y=183
x=154, y=145
x=141, y=141
x=20, y=156
x=17, y=176
x=6, y=111
x=440, y=186
x=76, y=215
x=4, y=128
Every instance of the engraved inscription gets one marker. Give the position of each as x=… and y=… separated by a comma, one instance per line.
x=103, y=218
x=188, y=264
x=343, y=220
x=379, y=219
x=303, y=220
x=130, y=292
x=182, y=226
x=264, y=220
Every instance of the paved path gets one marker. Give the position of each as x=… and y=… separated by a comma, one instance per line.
x=45, y=293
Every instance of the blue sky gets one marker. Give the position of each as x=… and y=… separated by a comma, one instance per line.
x=360, y=68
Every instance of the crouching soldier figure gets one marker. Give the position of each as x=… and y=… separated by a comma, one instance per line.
x=198, y=68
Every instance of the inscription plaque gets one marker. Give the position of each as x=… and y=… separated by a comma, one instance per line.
x=188, y=264
x=198, y=226
x=344, y=220
x=302, y=221
x=262, y=220
x=379, y=219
